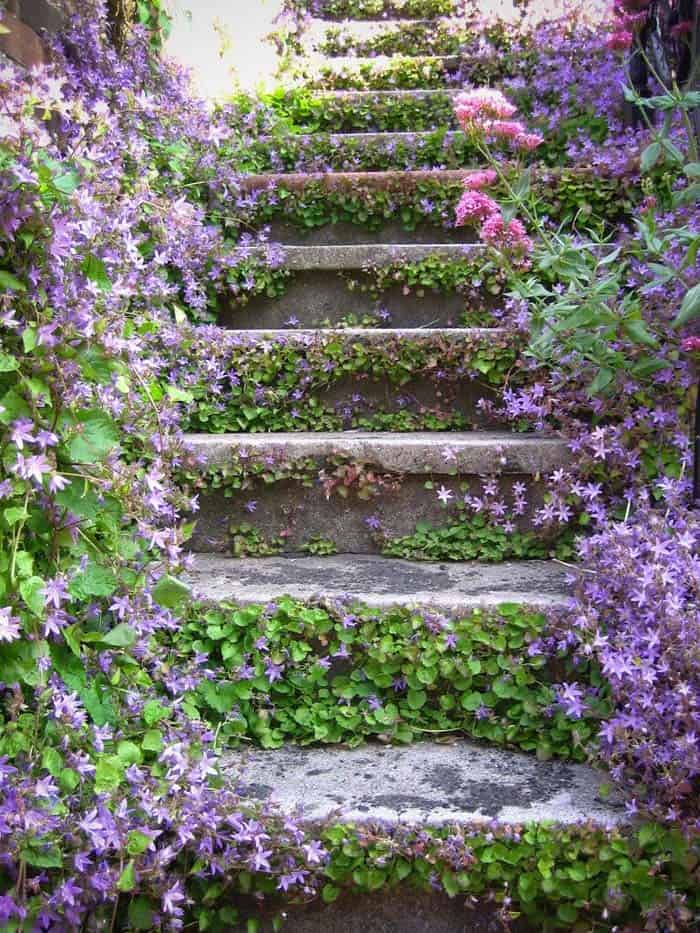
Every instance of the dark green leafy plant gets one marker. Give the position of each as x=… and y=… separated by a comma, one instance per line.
x=323, y=673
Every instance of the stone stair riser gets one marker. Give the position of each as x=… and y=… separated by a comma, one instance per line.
x=342, y=233
x=360, y=151
x=290, y=516
x=361, y=10
x=316, y=299
x=380, y=582
x=387, y=37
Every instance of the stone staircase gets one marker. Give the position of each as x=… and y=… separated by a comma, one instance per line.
x=273, y=497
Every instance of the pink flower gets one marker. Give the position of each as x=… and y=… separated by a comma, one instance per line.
x=529, y=141
x=474, y=206
x=504, y=129
x=691, y=345
x=482, y=103
x=620, y=40
x=481, y=179
x=510, y=236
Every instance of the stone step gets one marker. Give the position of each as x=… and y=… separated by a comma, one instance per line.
x=357, y=257
x=387, y=36
x=372, y=151
x=387, y=72
x=364, y=493
x=361, y=10
x=350, y=181
x=337, y=285
x=426, y=784
x=360, y=111
x=379, y=582
x=376, y=379
x=341, y=208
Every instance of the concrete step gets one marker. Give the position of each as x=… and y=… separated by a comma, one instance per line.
x=350, y=181
x=357, y=257
x=372, y=151
x=351, y=217
x=348, y=378
x=360, y=10
x=379, y=582
x=388, y=36
x=336, y=285
x=359, y=111
x=363, y=493
x=425, y=784
x=382, y=72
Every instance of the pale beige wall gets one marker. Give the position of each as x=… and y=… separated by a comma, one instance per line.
x=222, y=41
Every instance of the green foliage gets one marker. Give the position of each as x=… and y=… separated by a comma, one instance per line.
x=473, y=537
x=271, y=374
x=557, y=878
x=320, y=546
x=407, y=38
x=154, y=16
x=562, y=195
x=373, y=9
x=406, y=73
x=290, y=154
x=347, y=674
x=247, y=541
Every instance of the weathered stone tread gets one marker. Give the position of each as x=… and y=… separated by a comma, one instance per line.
x=334, y=181
x=415, y=453
x=426, y=783
x=379, y=582
x=359, y=255
x=372, y=137
x=366, y=335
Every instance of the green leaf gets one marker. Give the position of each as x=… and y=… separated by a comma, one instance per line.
x=220, y=696
x=109, y=772
x=11, y=282
x=170, y=592
x=14, y=514
x=647, y=367
x=154, y=711
x=140, y=914
x=8, y=364
x=121, y=636
x=152, y=741
x=129, y=753
x=179, y=395
x=137, y=842
x=602, y=380
x=96, y=435
x=95, y=580
x=94, y=269
x=31, y=591
x=472, y=701
x=690, y=308
x=30, y=335
x=42, y=857
x=127, y=879
x=650, y=156
x=637, y=330
x=66, y=182
x=329, y=893
x=416, y=698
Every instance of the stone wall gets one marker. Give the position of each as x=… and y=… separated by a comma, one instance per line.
x=28, y=21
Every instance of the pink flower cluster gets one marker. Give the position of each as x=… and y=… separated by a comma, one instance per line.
x=691, y=345
x=478, y=208
x=481, y=210
x=487, y=111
